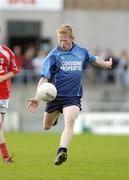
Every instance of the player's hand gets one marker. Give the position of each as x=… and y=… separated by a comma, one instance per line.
x=32, y=105
x=1, y=79
x=109, y=64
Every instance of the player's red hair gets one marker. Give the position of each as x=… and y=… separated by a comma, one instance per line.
x=65, y=29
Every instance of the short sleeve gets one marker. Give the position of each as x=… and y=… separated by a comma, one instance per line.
x=13, y=65
x=48, y=66
x=90, y=58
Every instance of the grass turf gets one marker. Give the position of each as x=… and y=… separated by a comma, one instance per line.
x=90, y=157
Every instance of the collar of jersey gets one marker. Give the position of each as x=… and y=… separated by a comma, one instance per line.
x=59, y=48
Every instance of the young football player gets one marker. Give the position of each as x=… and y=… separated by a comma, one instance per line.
x=8, y=69
x=65, y=65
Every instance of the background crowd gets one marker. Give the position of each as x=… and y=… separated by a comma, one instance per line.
x=30, y=61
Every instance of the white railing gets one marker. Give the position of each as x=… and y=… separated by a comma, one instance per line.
x=112, y=123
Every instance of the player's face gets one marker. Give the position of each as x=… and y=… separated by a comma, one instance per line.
x=65, y=42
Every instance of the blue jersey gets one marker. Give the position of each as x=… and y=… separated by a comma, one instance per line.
x=66, y=69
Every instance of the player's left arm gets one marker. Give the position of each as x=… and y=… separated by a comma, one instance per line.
x=13, y=70
x=99, y=62
x=6, y=76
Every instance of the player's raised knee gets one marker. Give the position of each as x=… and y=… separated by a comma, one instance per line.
x=46, y=127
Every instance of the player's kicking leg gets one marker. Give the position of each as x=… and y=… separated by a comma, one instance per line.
x=70, y=115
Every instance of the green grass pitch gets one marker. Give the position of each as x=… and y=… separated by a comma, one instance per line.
x=90, y=157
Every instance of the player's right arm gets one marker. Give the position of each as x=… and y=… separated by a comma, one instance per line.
x=6, y=76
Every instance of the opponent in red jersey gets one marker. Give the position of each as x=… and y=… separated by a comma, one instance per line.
x=8, y=69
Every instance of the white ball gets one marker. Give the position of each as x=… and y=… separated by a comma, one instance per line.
x=46, y=92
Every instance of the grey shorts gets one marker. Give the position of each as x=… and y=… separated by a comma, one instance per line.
x=3, y=105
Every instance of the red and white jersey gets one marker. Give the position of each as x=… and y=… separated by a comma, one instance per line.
x=7, y=64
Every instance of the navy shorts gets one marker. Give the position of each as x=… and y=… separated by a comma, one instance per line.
x=60, y=102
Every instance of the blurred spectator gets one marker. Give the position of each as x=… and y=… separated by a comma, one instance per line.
x=19, y=61
x=111, y=74
x=100, y=75
x=122, y=70
x=28, y=68
x=36, y=62
x=18, y=54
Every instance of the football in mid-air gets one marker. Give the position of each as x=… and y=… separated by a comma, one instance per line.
x=46, y=92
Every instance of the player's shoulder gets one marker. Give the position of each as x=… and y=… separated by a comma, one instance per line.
x=6, y=48
x=53, y=52
x=80, y=47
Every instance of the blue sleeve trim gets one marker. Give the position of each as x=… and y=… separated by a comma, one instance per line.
x=92, y=58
